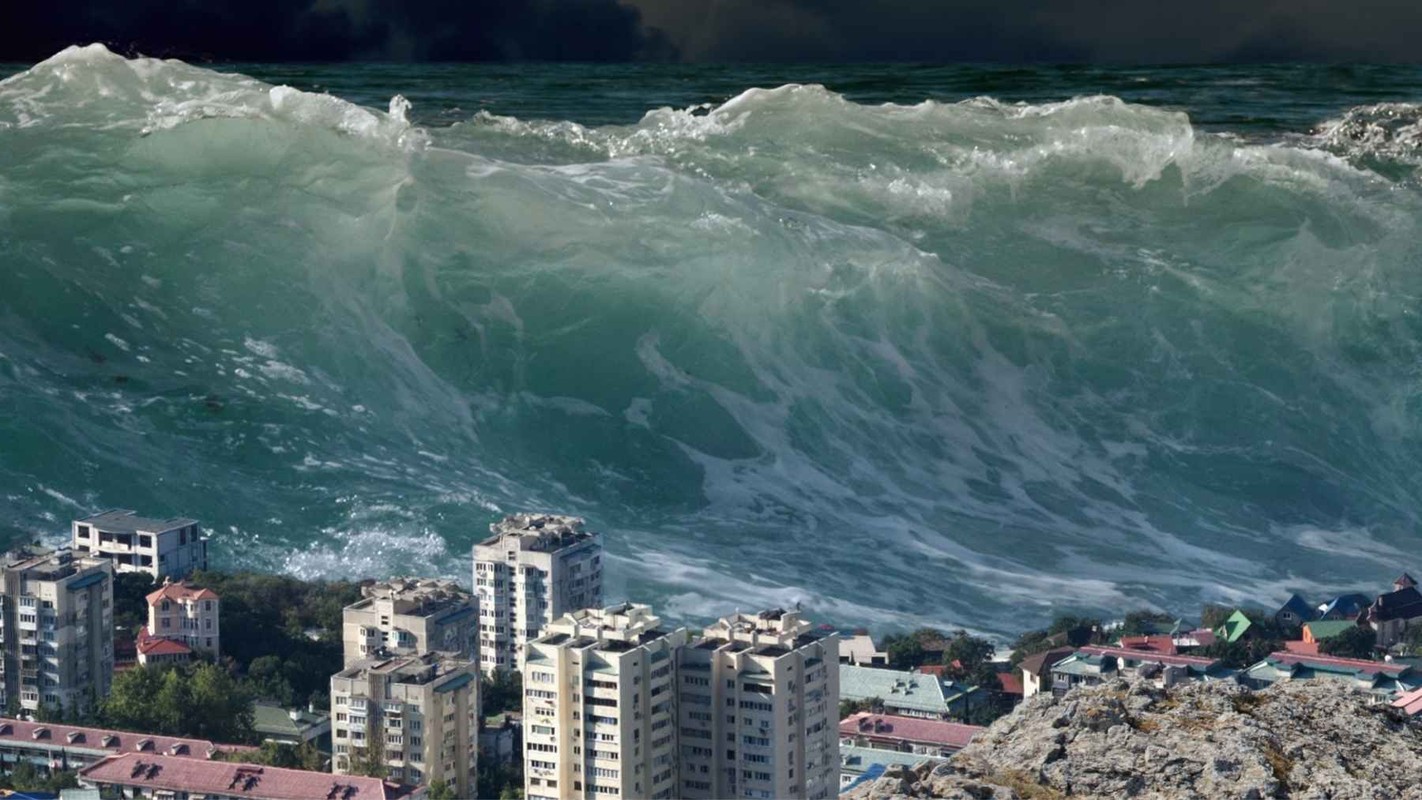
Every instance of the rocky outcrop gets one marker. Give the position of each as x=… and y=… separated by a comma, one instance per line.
x=1307, y=739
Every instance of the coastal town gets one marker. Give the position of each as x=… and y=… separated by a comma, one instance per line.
x=130, y=669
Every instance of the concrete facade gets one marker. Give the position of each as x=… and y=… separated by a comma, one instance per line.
x=417, y=715
x=534, y=569
x=599, y=710
x=409, y=616
x=58, y=629
x=163, y=548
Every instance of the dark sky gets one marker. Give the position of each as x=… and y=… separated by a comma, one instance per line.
x=1140, y=31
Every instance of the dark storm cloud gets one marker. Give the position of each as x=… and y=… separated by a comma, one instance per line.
x=722, y=30
x=1040, y=30
x=322, y=30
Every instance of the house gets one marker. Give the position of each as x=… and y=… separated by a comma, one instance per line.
x=858, y=648
x=1163, y=643
x=1318, y=630
x=1403, y=581
x=1385, y=680
x=1187, y=639
x=909, y=694
x=1393, y=613
x=182, y=620
x=906, y=734
x=160, y=547
x=1093, y=665
x=50, y=746
x=1409, y=702
x=293, y=726
x=499, y=738
x=1037, y=669
x=1344, y=606
x=1294, y=613
x=1234, y=627
x=161, y=776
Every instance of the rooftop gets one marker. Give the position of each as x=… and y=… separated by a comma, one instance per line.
x=856, y=759
x=1328, y=628
x=123, y=521
x=179, y=591
x=1038, y=663
x=411, y=670
x=422, y=597
x=907, y=690
x=14, y=732
x=922, y=731
x=150, y=645
x=271, y=719
x=227, y=779
x=1127, y=654
x=538, y=532
x=42, y=563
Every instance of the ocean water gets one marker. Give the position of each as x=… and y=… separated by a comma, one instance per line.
x=903, y=344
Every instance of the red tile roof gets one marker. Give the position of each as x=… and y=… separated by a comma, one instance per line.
x=179, y=591
x=1302, y=648
x=1010, y=682
x=228, y=779
x=932, y=669
x=890, y=727
x=1351, y=664
x=74, y=737
x=150, y=645
x=1137, y=655
x=1163, y=644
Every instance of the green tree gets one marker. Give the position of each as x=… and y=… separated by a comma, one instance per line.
x=906, y=650
x=850, y=707
x=25, y=777
x=441, y=790
x=968, y=659
x=503, y=692
x=131, y=590
x=1137, y=623
x=199, y=700
x=1357, y=642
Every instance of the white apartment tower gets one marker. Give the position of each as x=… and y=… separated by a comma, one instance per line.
x=534, y=569
x=599, y=708
x=163, y=548
x=416, y=715
x=57, y=629
x=410, y=616
x=759, y=706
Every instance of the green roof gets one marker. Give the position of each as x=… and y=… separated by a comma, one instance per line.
x=275, y=721
x=1328, y=628
x=913, y=691
x=1234, y=627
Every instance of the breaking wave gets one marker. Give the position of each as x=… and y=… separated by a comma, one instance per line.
x=953, y=363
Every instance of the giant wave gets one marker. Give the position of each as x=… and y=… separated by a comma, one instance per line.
x=952, y=363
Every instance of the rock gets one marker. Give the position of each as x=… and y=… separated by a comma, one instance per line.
x=1304, y=739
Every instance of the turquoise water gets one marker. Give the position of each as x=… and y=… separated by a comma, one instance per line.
x=946, y=345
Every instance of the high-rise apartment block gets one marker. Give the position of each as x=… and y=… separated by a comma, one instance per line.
x=534, y=569
x=759, y=708
x=599, y=709
x=409, y=616
x=57, y=629
x=162, y=548
x=418, y=716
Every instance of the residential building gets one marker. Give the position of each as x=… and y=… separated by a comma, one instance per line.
x=417, y=715
x=411, y=616
x=182, y=620
x=293, y=726
x=859, y=649
x=500, y=738
x=861, y=765
x=534, y=569
x=1294, y=613
x=49, y=746
x=1393, y=613
x=909, y=694
x=924, y=737
x=162, y=548
x=1234, y=627
x=759, y=702
x=1037, y=670
x=1089, y=666
x=1409, y=702
x=600, y=706
x=162, y=776
x=1344, y=606
x=57, y=628
x=1319, y=630
x=1386, y=681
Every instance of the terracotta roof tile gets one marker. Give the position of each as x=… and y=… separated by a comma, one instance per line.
x=924, y=731
x=228, y=779
x=179, y=591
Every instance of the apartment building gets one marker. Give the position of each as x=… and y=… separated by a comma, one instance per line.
x=411, y=616
x=533, y=569
x=759, y=708
x=163, y=548
x=57, y=629
x=418, y=715
x=156, y=775
x=599, y=709
x=182, y=620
